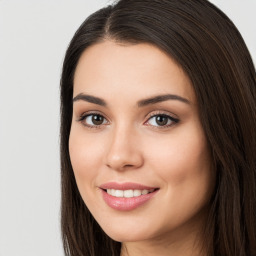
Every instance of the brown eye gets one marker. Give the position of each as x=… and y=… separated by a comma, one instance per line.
x=97, y=119
x=93, y=120
x=162, y=120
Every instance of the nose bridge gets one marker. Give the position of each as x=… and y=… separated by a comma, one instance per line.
x=123, y=151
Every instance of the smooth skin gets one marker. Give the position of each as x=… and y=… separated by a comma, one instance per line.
x=157, y=144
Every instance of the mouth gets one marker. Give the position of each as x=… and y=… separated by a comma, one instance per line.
x=129, y=193
x=126, y=196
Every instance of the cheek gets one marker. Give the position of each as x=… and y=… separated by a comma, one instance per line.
x=183, y=161
x=85, y=155
x=183, y=165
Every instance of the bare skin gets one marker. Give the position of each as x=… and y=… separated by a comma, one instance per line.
x=118, y=135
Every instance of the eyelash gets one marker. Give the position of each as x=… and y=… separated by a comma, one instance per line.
x=171, y=119
x=85, y=115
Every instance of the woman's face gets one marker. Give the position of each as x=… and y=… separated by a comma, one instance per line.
x=137, y=147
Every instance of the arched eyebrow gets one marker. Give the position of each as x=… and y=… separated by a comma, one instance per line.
x=90, y=98
x=141, y=103
x=160, y=98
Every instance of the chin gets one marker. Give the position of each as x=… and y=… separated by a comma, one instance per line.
x=128, y=233
x=126, y=236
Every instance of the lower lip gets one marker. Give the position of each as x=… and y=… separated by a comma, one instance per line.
x=126, y=204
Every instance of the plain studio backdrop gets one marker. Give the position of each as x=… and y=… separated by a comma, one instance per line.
x=33, y=38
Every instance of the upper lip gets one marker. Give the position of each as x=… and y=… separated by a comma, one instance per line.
x=125, y=186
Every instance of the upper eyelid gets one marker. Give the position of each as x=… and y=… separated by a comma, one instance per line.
x=161, y=112
x=88, y=113
x=83, y=116
x=147, y=117
x=173, y=119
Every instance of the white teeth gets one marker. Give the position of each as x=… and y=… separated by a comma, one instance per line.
x=128, y=193
x=136, y=192
x=144, y=192
x=119, y=193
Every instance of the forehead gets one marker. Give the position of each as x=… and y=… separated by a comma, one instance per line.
x=108, y=68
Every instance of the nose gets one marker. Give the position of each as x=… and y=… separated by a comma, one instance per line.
x=124, y=151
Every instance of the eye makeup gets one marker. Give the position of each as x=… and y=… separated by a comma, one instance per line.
x=156, y=119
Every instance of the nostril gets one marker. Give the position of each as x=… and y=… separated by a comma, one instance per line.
x=128, y=165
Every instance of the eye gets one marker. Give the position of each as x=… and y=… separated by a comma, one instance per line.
x=162, y=120
x=93, y=120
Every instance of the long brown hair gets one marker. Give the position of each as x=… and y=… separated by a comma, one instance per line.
x=213, y=54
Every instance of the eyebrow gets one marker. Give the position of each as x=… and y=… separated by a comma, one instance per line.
x=141, y=103
x=160, y=98
x=91, y=99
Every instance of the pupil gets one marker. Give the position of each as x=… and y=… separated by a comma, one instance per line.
x=97, y=119
x=161, y=120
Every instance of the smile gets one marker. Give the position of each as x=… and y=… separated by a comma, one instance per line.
x=126, y=196
x=128, y=193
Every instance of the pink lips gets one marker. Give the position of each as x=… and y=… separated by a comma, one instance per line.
x=122, y=203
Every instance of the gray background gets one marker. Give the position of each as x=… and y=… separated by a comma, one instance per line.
x=33, y=39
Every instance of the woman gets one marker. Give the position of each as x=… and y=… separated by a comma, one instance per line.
x=158, y=133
